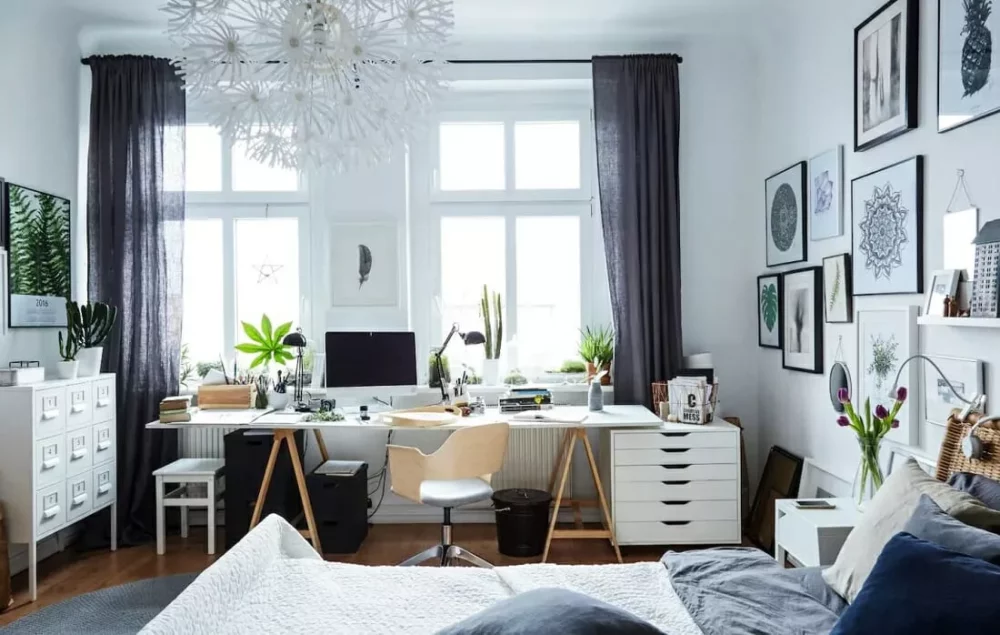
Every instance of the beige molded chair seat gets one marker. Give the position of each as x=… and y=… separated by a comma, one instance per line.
x=457, y=474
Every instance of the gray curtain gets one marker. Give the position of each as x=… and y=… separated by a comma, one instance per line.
x=637, y=116
x=135, y=215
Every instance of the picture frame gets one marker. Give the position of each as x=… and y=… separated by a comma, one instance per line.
x=770, y=296
x=819, y=482
x=365, y=262
x=959, y=231
x=802, y=321
x=966, y=375
x=898, y=456
x=968, y=86
x=944, y=283
x=781, y=478
x=887, y=337
x=886, y=101
x=786, y=203
x=826, y=196
x=838, y=292
x=37, y=222
x=887, y=230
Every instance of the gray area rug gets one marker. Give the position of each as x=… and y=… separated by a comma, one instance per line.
x=117, y=610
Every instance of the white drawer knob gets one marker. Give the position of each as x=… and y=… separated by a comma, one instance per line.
x=79, y=499
x=79, y=454
x=50, y=512
x=103, y=445
x=104, y=489
x=49, y=464
x=78, y=408
x=48, y=415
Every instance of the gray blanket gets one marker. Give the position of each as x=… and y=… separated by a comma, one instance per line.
x=744, y=591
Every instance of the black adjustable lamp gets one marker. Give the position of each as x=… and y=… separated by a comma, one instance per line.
x=470, y=339
x=297, y=340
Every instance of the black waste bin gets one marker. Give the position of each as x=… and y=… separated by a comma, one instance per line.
x=522, y=521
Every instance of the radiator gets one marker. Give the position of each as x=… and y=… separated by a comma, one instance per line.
x=203, y=443
x=531, y=455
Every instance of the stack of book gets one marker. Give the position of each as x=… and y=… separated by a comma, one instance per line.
x=176, y=410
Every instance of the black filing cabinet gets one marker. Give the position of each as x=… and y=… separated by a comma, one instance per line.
x=247, y=452
x=340, y=506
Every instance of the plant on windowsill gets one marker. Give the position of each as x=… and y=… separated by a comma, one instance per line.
x=870, y=431
x=597, y=348
x=265, y=343
x=515, y=378
x=434, y=373
x=68, y=348
x=89, y=325
x=493, y=331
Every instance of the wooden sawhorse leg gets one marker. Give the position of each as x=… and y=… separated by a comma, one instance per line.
x=563, y=465
x=288, y=436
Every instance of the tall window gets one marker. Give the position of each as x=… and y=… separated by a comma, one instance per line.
x=511, y=194
x=244, y=239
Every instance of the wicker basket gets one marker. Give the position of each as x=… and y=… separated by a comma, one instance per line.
x=952, y=460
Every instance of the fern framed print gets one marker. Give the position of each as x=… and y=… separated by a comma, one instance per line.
x=968, y=61
x=837, y=292
x=37, y=238
x=769, y=296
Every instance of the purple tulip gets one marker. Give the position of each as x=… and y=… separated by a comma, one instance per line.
x=895, y=423
x=881, y=412
x=843, y=396
x=901, y=394
x=842, y=420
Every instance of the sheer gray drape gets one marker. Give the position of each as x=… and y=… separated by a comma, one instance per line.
x=637, y=116
x=135, y=215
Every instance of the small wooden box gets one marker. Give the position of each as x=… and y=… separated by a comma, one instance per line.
x=226, y=397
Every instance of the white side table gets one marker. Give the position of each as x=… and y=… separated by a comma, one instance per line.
x=813, y=537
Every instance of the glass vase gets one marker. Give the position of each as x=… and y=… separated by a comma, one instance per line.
x=868, y=478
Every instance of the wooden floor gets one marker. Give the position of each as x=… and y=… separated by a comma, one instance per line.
x=70, y=574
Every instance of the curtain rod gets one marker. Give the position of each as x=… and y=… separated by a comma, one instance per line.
x=680, y=60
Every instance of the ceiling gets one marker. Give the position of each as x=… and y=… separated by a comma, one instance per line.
x=514, y=20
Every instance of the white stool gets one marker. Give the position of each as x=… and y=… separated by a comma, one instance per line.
x=187, y=472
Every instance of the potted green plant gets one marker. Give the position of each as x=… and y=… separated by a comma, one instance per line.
x=68, y=348
x=266, y=346
x=89, y=325
x=493, y=331
x=597, y=348
x=434, y=373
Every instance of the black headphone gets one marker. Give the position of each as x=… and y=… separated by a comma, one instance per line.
x=973, y=446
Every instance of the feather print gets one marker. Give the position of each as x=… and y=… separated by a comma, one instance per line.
x=364, y=265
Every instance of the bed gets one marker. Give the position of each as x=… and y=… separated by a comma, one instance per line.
x=273, y=581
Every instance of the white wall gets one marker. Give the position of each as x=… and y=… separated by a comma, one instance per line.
x=806, y=107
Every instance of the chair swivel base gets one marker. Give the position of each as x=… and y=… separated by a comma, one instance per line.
x=447, y=555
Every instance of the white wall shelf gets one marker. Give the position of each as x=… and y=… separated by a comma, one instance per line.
x=981, y=323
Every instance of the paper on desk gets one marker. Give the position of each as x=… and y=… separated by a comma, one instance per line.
x=552, y=416
x=279, y=418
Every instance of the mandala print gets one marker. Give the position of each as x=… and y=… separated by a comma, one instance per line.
x=883, y=232
x=784, y=217
x=824, y=192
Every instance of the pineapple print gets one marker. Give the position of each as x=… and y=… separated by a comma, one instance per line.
x=977, y=53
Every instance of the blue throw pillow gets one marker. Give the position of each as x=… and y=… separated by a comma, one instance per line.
x=985, y=489
x=930, y=523
x=919, y=588
x=552, y=611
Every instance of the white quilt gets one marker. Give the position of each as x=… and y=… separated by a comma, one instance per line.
x=273, y=582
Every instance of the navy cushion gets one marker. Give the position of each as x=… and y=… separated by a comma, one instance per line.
x=930, y=523
x=552, y=611
x=919, y=588
x=985, y=489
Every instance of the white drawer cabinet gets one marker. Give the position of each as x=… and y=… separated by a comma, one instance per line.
x=57, y=458
x=677, y=485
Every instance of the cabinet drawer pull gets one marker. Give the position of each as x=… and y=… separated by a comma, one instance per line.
x=675, y=467
x=675, y=523
x=49, y=415
x=76, y=455
x=676, y=502
x=676, y=482
x=103, y=445
x=50, y=512
x=103, y=403
x=674, y=435
x=674, y=450
x=104, y=489
x=79, y=499
x=78, y=408
x=49, y=464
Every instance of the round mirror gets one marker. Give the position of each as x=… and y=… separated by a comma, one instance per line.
x=840, y=377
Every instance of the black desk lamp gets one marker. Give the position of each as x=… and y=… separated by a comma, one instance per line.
x=471, y=339
x=297, y=340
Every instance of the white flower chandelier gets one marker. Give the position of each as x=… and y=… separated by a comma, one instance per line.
x=308, y=83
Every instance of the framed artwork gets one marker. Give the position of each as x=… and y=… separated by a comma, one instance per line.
x=887, y=227
x=943, y=284
x=38, y=243
x=364, y=265
x=826, y=196
x=886, y=339
x=968, y=62
x=898, y=456
x=781, y=479
x=769, y=297
x=965, y=375
x=819, y=482
x=785, y=216
x=886, y=48
x=959, y=234
x=837, y=292
x=802, y=320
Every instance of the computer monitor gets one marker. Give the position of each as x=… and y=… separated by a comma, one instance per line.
x=370, y=364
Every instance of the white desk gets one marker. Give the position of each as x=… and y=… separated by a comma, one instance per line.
x=284, y=426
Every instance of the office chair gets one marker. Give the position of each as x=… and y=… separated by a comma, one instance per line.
x=457, y=474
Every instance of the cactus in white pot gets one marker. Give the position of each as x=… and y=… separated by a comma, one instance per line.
x=90, y=325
